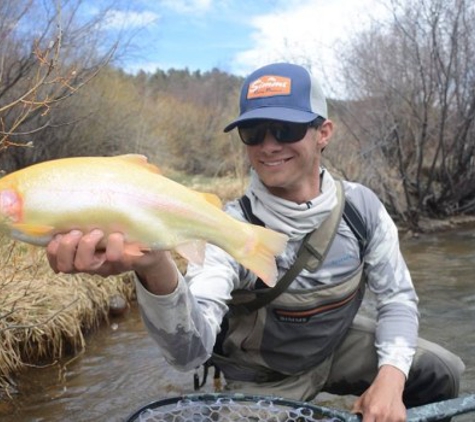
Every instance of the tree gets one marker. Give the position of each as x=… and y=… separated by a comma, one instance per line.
x=411, y=83
x=191, y=111
x=47, y=53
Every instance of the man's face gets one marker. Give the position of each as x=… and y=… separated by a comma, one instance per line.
x=290, y=170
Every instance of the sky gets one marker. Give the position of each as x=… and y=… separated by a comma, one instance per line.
x=235, y=36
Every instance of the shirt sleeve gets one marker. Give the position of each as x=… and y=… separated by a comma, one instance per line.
x=185, y=322
x=389, y=279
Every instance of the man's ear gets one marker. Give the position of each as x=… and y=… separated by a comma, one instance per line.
x=326, y=132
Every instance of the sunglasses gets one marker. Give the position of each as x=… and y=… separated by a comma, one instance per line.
x=253, y=133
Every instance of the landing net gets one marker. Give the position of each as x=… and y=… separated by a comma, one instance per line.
x=227, y=408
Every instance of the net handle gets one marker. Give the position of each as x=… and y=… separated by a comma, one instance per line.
x=441, y=410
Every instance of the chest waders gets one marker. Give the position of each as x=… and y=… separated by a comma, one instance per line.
x=270, y=333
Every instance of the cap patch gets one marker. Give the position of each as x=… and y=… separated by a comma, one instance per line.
x=269, y=86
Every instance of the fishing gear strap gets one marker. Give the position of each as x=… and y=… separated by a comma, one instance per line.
x=310, y=256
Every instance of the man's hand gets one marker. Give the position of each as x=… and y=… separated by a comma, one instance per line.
x=382, y=401
x=93, y=253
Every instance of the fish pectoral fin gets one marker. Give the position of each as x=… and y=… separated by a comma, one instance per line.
x=135, y=249
x=193, y=251
x=32, y=229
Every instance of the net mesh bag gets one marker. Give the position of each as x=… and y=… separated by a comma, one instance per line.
x=212, y=407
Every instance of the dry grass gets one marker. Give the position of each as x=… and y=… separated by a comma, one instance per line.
x=226, y=188
x=44, y=316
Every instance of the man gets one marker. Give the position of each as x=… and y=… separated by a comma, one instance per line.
x=308, y=338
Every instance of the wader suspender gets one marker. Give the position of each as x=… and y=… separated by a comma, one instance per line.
x=312, y=252
x=310, y=256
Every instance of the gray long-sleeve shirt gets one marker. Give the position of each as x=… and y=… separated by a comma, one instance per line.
x=185, y=323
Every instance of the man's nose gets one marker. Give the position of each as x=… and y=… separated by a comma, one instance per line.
x=270, y=142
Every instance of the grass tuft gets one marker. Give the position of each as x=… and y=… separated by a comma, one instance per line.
x=44, y=316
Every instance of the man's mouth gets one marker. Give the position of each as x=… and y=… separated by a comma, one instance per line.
x=274, y=163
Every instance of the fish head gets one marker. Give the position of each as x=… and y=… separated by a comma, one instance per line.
x=10, y=206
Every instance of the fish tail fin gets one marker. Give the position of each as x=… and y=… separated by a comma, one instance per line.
x=260, y=257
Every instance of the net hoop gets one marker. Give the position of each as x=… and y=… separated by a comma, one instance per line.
x=178, y=409
x=189, y=408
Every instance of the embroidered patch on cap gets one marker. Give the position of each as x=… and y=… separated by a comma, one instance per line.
x=268, y=86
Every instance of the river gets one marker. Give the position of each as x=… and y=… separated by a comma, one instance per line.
x=122, y=369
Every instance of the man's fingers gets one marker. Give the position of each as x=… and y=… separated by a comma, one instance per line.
x=52, y=250
x=66, y=251
x=115, y=247
x=87, y=255
x=91, y=253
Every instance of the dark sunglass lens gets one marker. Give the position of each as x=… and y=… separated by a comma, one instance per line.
x=252, y=135
x=289, y=132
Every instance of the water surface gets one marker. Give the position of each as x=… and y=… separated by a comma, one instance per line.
x=122, y=369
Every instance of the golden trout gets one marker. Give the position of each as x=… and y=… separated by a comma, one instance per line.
x=127, y=194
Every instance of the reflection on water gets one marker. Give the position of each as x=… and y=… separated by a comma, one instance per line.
x=443, y=270
x=122, y=369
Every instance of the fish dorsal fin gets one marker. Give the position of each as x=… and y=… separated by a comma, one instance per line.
x=140, y=160
x=193, y=251
x=211, y=198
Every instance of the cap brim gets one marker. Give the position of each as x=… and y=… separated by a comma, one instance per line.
x=274, y=113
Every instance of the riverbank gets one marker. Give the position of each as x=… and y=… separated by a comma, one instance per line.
x=44, y=316
x=428, y=225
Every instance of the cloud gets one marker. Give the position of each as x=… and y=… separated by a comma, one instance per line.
x=308, y=32
x=119, y=19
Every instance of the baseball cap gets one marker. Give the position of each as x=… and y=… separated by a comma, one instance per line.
x=281, y=91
